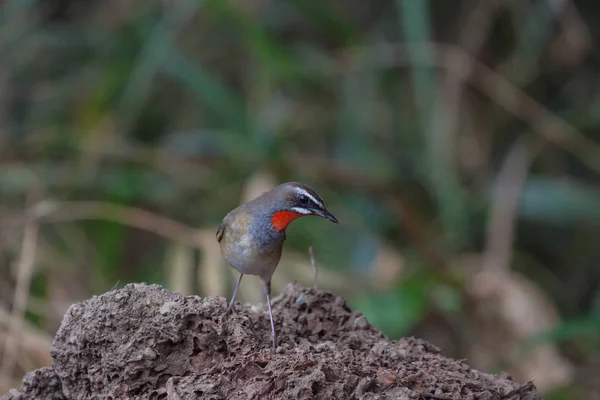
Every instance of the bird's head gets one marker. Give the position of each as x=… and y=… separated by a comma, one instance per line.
x=293, y=200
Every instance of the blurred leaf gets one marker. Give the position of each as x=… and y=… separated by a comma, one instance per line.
x=157, y=47
x=358, y=95
x=415, y=24
x=12, y=14
x=271, y=54
x=324, y=18
x=226, y=105
x=566, y=393
x=192, y=144
x=396, y=311
x=560, y=202
x=567, y=330
x=532, y=39
x=108, y=238
x=437, y=165
x=446, y=298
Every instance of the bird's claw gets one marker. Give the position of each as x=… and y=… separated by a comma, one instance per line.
x=230, y=309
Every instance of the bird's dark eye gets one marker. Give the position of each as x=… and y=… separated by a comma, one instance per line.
x=303, y=199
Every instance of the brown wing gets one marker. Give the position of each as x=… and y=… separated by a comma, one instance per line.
x=220, y=231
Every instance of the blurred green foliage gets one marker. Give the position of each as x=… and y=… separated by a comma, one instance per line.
x=172, y=106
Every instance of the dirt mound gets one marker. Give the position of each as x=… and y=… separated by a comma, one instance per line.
x=144, y=342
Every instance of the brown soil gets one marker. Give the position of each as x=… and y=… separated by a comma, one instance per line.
x=144, y=342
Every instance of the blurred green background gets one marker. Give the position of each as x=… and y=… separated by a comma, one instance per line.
x=456, y=141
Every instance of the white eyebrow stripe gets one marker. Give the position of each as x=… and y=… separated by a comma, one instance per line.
x=304, y=192
x=300, y=210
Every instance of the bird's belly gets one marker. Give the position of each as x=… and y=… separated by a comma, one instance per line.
x=243, y=255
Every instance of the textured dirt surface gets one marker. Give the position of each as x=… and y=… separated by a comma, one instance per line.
x=144, y=342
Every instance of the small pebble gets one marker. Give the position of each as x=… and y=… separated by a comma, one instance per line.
x=149, y=353
x=361, y=322
x=166, y=308
x=301, y=299
x=325, y=346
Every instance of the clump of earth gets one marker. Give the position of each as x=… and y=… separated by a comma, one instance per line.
x=145, y=342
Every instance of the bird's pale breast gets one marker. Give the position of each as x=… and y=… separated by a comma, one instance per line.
x=243, y=252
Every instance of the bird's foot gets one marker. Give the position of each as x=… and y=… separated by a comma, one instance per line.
x=230, y=309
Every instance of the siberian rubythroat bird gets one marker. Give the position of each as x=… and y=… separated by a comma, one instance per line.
x=251, y=236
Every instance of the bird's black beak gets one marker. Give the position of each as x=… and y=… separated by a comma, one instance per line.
x=327, y=215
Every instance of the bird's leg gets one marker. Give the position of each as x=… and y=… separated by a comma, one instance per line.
x=273, y=334
x=231, y=306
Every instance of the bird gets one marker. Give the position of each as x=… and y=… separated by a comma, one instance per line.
x=251, y=236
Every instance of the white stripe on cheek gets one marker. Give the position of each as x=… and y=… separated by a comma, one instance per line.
x=304, y=192
x=301, y=210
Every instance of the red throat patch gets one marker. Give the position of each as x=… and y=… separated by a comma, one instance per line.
x=281, y=219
